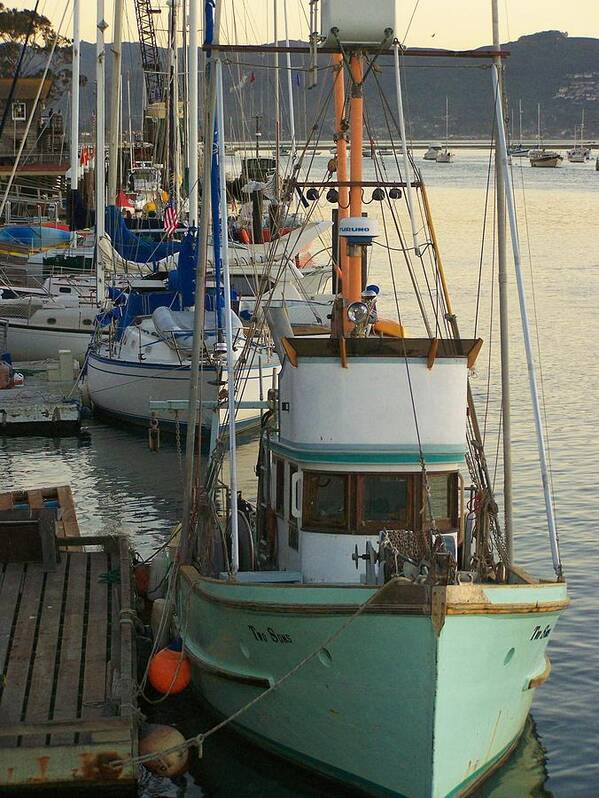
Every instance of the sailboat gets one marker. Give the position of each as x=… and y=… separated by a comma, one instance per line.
x=445, y=155
x=580, y=152
x=375, y=628
x=518, y=149
x=540, y=156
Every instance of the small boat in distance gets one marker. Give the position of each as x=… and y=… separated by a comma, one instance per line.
x=580, y=152
x=445, y=155
x=432, y=152
x=519, y=150
x=540, y=156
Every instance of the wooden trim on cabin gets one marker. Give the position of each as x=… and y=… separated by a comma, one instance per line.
x=474, y=352
x=289, y=351
x=382, y=346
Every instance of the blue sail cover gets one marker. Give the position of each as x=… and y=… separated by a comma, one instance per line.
x=131, y=246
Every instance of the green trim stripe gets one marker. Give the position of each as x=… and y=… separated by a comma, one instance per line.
x=361, y=454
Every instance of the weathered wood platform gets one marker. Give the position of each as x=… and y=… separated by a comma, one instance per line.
x=67, y=664
x=59, y=498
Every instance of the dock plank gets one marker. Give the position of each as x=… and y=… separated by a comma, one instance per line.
x=35, y=498
x=10, y=589
x=42, y=677
x=22, y=651
x=6, y=501
x=94, y=679
x=67, y=686
x=68, y=515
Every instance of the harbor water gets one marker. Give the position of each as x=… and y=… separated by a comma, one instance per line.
x=120, y=486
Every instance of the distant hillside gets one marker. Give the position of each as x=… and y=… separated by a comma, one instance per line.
x=560, y=72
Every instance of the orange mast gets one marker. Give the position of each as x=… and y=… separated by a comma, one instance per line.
x=341, y=146
x=352, y=284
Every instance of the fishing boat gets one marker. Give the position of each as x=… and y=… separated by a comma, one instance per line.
x=444, y=155
x=374, y=627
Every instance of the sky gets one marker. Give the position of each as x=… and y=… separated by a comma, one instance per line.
x=457, y=24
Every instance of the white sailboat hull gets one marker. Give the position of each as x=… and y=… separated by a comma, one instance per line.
x=124, y=389
x=30, y=342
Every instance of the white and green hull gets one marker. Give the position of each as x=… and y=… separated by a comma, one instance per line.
x=422, y=694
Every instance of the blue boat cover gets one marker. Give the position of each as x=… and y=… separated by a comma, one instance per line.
x=133, y=247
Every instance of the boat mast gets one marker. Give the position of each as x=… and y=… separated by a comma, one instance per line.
x=506, y=416
x=175, y=103
x=228, y=321
x=113, y=147
x=277, y=105
x=101, y=26
x=341, y=158
x=352, y=281
x=192, y=61
x=192, y=467
x=532, y=379
x=76, y=72
x=289, y=86
x=404, y=147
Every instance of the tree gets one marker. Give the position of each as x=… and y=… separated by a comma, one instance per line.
x=18, y=26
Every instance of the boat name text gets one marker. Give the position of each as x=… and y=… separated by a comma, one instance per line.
x=539, y=633
x=270, y=635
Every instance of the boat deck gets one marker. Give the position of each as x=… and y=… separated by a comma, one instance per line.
x=67, y=693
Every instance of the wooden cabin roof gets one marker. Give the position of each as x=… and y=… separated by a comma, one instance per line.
x=26, y=88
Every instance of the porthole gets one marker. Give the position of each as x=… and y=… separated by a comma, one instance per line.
x=87, y=322
x=51, y=321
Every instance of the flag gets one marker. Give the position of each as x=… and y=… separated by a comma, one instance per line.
x=252, y=77
x=169, y=220
x=243, y=80
x=298, y=79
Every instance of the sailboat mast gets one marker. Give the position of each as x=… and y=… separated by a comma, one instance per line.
x=352, y=282
x=220, y=123
x=76, y=72
x=506, y=416
x=192, y=466
x=289, y=86
x=101, y=26
x=192, y=61
x=277, y=103
x=115, y=92
x=175, y=101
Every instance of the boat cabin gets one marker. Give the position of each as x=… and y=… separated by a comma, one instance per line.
x=350, y=477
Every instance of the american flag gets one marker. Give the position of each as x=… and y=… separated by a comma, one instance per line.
x=169, y=220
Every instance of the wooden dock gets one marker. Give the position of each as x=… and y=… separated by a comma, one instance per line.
x=35, y=411
x=67, y=655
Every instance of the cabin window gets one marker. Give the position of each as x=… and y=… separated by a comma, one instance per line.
x=443, y=501
x=326, y=501
x=51, y=320
x=64, y=289
x=87, y=321
x=19, y=112
x=385, y=500
x=293, y=536
x=279, y=469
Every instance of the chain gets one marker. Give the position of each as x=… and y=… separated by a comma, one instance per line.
x=178, y=441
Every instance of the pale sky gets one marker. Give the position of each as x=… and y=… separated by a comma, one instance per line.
x=458, y=24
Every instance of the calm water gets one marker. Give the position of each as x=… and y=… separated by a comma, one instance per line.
x=120, y=486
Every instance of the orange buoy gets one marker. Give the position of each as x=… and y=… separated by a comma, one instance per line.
x=169, y=672
x=141, y=575
x=155, y=740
